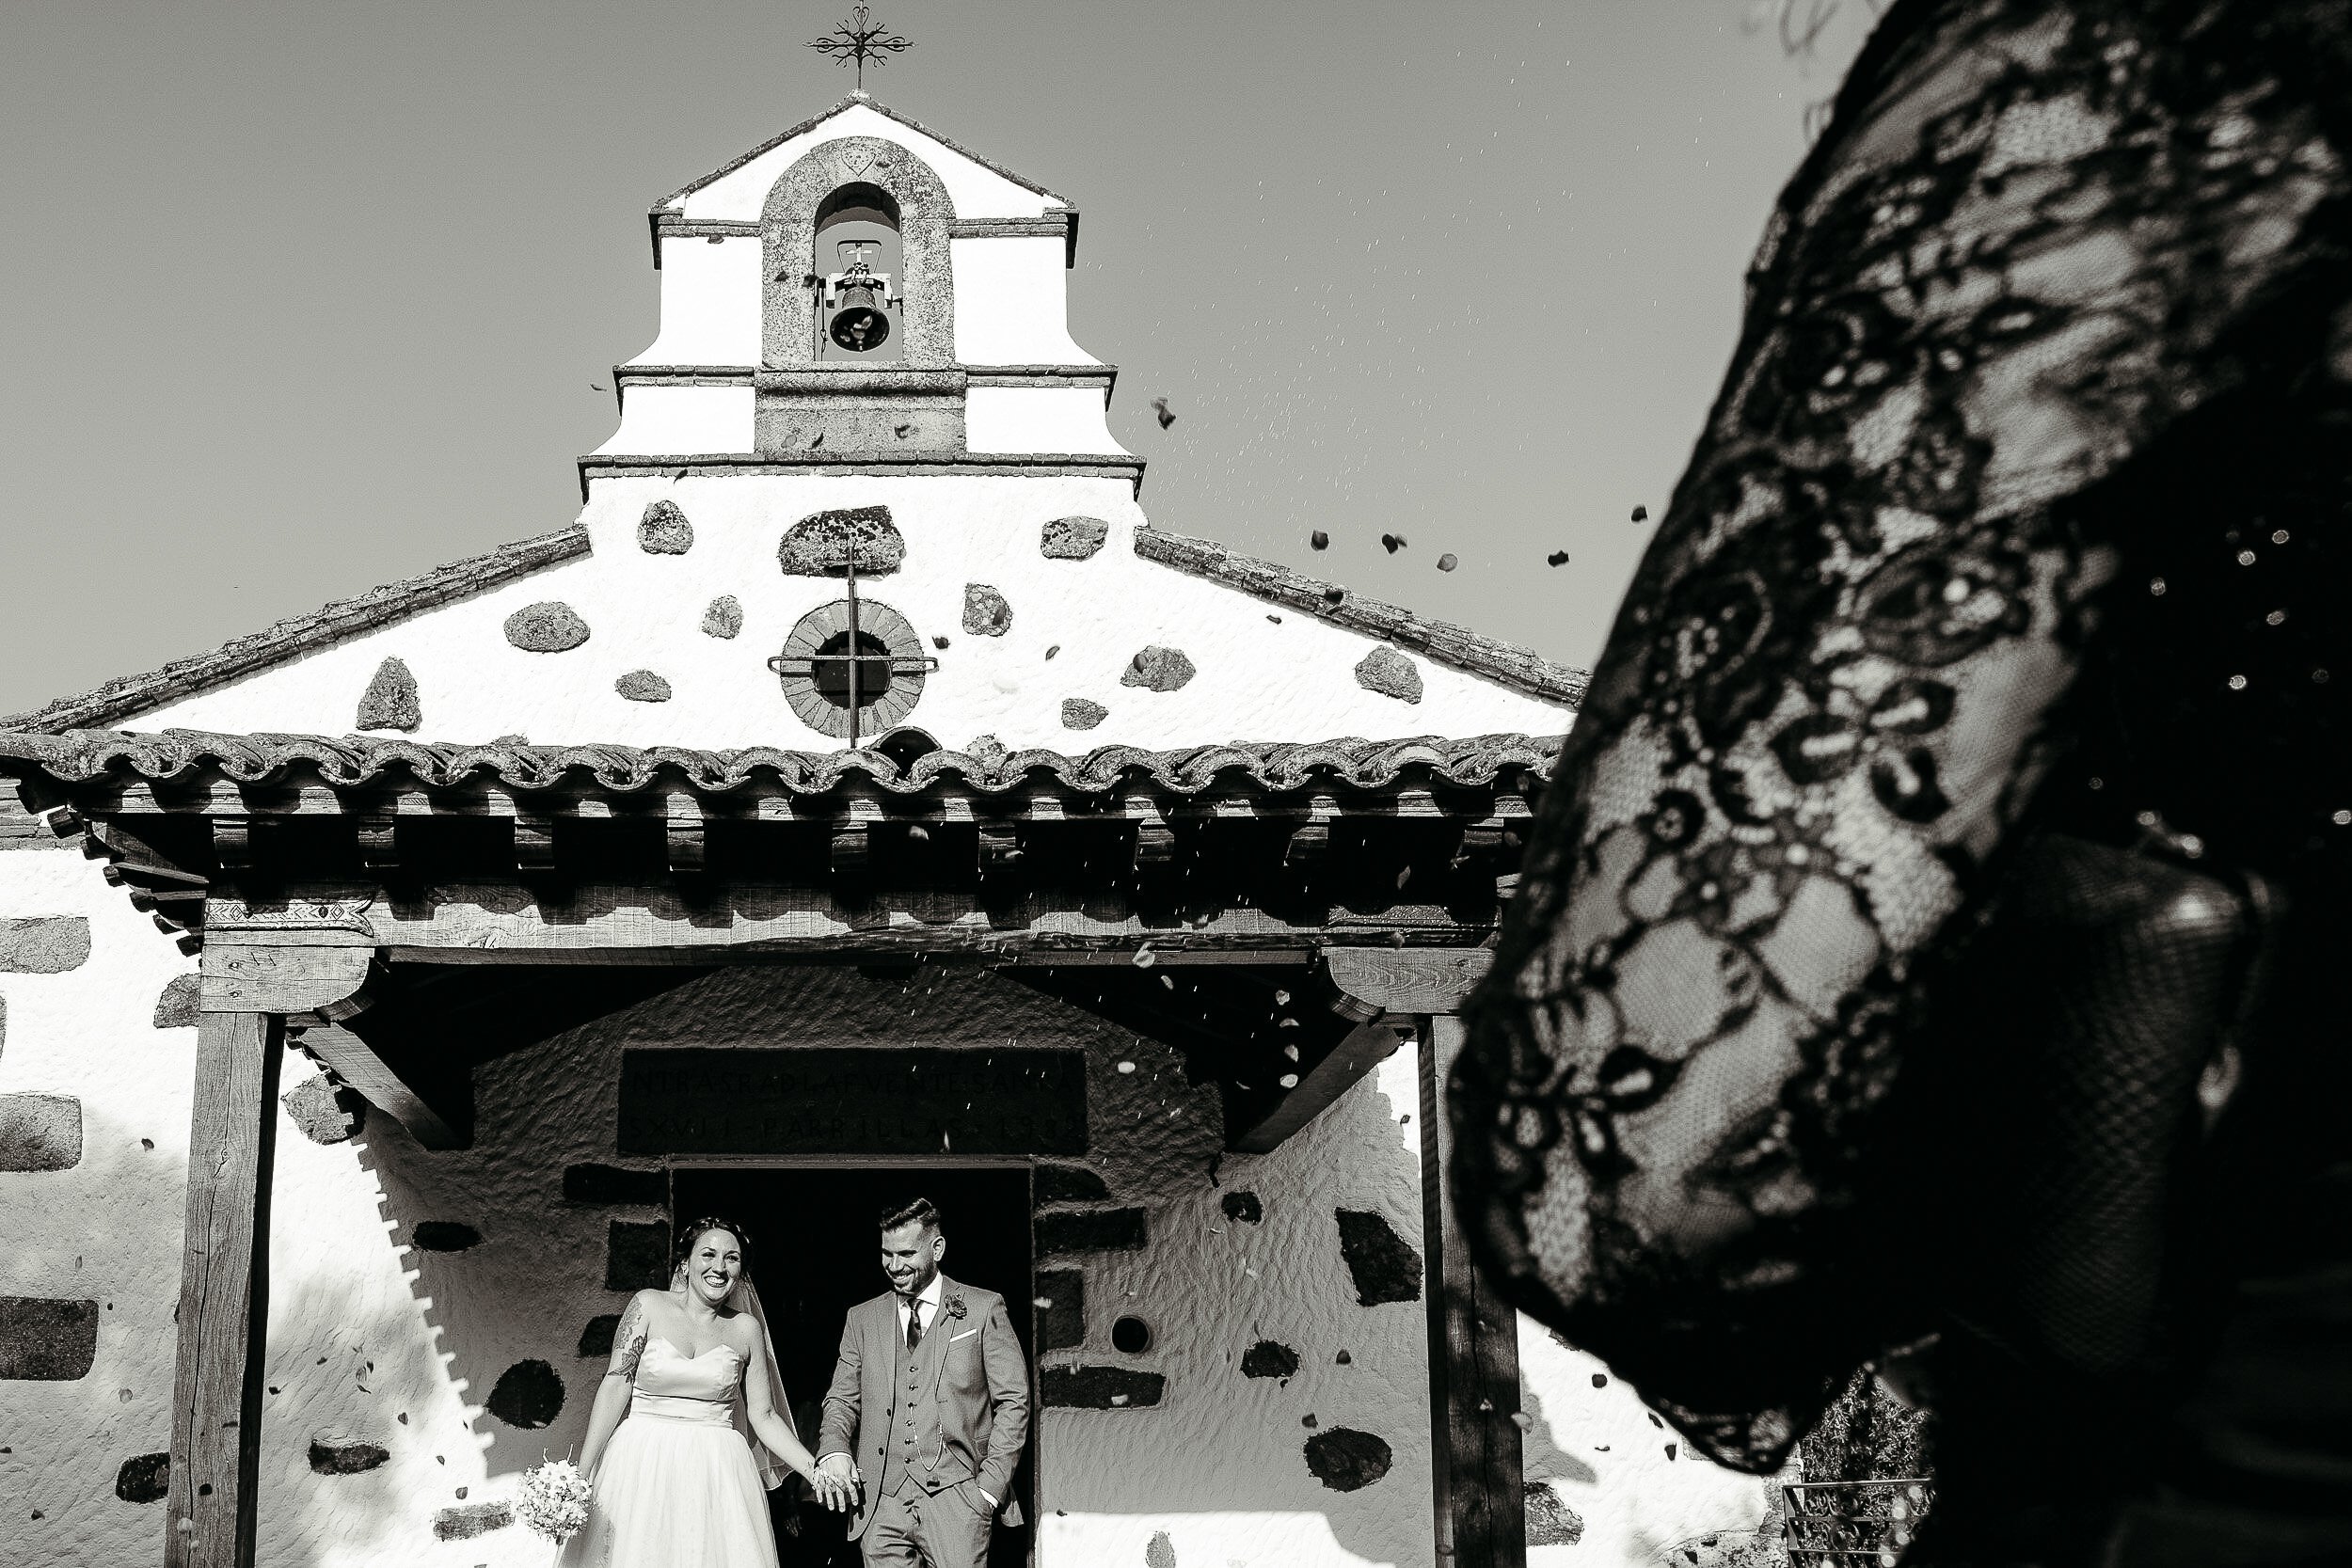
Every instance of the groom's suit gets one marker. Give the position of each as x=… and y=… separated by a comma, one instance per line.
x=929, y=1428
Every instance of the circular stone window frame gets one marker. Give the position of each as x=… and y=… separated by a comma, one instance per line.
x=876, y=620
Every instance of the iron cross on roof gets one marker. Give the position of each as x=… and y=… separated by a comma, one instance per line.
x=858, y=41
x=854, y=660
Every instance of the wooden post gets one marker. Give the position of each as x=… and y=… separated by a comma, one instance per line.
x=224, y=1293
x=1473, y=1353
x=253, y=976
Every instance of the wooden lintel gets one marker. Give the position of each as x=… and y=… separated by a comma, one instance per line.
x=224, y=1294
x=1473, y=1353
x=354, y=1062
x=241, y=976
x=1370, y=983
x=1366, y=1047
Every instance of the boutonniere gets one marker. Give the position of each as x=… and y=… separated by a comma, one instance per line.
x=955, y=1307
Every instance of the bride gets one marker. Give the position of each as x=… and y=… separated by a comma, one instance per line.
x=691, y=1391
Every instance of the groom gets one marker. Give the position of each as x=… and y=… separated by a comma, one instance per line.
x=932, y=1392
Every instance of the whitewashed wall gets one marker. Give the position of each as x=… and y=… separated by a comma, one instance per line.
x=105, y=1228
x=1264, y=673
x=1630, y=1493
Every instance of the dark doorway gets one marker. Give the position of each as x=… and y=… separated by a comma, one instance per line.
x=817, y=1253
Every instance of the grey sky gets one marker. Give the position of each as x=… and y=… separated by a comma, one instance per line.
x=298, y=298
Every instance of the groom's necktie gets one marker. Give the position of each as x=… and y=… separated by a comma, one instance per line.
x=915, y=1322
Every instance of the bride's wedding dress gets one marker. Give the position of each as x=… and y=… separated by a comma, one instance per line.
x=678, y=1487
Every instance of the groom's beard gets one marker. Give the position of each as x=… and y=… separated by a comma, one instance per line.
x=916, y=1284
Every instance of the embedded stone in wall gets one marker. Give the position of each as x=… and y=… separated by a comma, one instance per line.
x=1058, y=1181
x=326, y=1114
x=1091, y=1230
x=144, y=1478
x=1079, y=714
x=39, y=1132
x=43, y=1339
x=1073, y=538
x=1549, y=1521
x=1160, y=1552
x=1269, y=1359
x=724, y=618
x=1384, y=1268
x=176, y=1008
x=1346, y=1460
x=469, y=1520
x=664, y=530
x=1159, y=668
x=1061, y=1309
x=825, y=544
x=1243, y=1206
x=528, y=1395
x=596, y=1338
x=614, y=1185
x=550, y=627
x=345, y=1456
x=44, y=944
x=389, y=702
x=444, y=1235
x=637, y=1256
x=1098, y=1389
x=986, y=613
x=643, y=686
x=1390, y=673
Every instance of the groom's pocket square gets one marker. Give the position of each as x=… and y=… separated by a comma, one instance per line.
x=965, y=1335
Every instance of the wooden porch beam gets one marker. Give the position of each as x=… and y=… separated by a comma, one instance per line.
x=1473, y=1353
x=357, y=1064
x=224, y=1293
x=1365, y=1048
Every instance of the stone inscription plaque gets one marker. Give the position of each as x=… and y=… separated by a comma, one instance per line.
x=910, y=1100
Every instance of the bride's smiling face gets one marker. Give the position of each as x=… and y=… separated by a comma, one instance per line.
x=714, y=1265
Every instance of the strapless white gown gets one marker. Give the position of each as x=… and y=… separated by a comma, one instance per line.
x=677, y=1488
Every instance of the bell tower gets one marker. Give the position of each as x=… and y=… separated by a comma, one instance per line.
x=862, y=291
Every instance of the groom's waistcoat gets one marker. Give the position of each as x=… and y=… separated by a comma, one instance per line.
x=914, y=1445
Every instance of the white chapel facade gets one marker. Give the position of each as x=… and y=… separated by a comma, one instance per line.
x=428, y=957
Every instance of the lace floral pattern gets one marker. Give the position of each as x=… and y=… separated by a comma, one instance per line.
x=2024, y=250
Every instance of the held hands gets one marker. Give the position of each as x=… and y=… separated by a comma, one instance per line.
x=837, y=1481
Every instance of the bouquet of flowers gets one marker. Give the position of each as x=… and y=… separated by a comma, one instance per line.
x=554, y=1500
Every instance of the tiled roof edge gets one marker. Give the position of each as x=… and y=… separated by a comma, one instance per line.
x=301, y=634
x=82, y=756
x=1504, y=663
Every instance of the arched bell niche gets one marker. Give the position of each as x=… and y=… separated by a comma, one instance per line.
x=859, y=277
x=858, y=191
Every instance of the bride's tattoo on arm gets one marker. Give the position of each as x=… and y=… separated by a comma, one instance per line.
x=628, y=1339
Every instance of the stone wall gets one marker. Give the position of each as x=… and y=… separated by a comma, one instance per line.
x=97, y=1041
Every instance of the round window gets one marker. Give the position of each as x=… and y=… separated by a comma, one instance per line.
x=852, y=669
